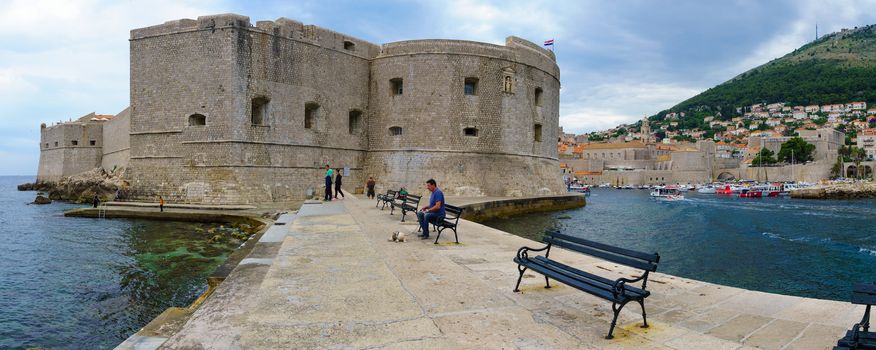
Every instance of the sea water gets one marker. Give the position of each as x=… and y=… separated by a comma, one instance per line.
x=79, y=283
x=809, y=248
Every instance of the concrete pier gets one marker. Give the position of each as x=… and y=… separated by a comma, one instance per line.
x=328, y=277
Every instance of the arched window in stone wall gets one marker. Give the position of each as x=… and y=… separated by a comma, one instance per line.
x=395, y=131
x=197, y=120
x=311, y=115
x=537, y=132
x=538, y=96
x=355, y=121
x=470, y=87
x=259, y=110
x=472, y=132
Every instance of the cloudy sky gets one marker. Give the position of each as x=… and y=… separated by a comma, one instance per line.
x=619, y=60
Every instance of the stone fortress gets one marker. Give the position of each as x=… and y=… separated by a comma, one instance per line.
x=226, y=112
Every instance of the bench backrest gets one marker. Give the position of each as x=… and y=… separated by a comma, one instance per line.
x=412, y=199
x=452, y=212
x=391, y=193
x=632, y=258
x=864, y=294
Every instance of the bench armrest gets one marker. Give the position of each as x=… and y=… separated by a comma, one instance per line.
x=618, y=288
x=523, y=253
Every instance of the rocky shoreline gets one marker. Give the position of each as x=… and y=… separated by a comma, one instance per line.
x=82, y=188
x=837, y=191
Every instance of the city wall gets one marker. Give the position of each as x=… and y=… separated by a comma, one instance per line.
x=226, y=112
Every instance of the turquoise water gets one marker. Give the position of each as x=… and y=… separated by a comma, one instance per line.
x=780, y=245
x=76, y=283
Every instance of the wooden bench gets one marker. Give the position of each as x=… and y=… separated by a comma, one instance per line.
x=619, y=292
x=406, y=203
x=389, y=197
x=451, y=220
x=860, y=337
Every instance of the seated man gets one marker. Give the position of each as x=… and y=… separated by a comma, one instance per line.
x=433, y=213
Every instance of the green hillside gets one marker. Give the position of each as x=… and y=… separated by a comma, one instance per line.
x=837, y=68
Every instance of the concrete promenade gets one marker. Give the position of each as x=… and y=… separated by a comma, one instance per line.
x=327, y=277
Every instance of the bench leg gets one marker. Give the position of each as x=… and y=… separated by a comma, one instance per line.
x=644, y=317
x=456, y=236
x=522, y=270
x=438, y=235
x=616, y=311
x=403, y=215
x=865, y=322
x=547, y=283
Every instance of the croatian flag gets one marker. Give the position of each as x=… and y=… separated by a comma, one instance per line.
x=549, y=42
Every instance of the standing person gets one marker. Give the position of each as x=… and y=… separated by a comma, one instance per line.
x=370, y=186
x=95, y=201
x=338, y=184
x=433, y=213
x=161, y=203
x=328, y=183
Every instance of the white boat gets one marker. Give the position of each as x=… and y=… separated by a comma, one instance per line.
x=669, y=193
x=580, y=189
x=707, y=189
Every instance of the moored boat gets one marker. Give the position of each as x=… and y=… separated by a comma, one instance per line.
x=669, y=193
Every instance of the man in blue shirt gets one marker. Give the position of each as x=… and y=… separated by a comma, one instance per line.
x=434, y=213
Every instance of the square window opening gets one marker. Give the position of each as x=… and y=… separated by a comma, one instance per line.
x=311, y=113
x=471, y=86
x=259, y=111
x=397, y=85
x=355, y=121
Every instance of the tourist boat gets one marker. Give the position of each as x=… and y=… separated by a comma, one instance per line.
x=580, y=189
x=729, y=189
x=750, y=193
x=769, y=190
x=707, y=189
x=669, y=193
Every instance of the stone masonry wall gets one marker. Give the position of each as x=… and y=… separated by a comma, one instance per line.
x=433, y=112
x=117, y=141
x=60, y=157
x=322, y=97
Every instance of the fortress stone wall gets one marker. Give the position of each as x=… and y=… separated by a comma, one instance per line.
x=226, y=112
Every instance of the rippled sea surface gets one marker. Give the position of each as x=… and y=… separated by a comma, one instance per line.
x=75, y=283
x=789, y=246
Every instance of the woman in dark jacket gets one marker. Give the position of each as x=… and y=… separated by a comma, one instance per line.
x=338, y=185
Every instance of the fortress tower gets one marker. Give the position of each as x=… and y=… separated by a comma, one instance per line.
x=226, y=112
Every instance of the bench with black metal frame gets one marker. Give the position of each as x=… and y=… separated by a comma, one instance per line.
x=406, y=203
x=386, y=198
x=618, y=291
x=450, y=220
x=860, y=337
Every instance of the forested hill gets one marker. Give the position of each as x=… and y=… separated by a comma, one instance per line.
x=836, y=68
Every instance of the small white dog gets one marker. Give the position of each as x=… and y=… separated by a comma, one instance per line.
x=398, y=236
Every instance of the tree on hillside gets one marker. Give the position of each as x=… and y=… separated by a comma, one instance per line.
x=764, y=157
x=796, y=150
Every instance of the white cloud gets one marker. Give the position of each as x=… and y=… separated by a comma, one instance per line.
x=606, y=105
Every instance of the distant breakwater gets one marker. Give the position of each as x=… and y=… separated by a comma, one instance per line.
x=837, y=191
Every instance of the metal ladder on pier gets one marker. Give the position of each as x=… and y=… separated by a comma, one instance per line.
x=101, y=211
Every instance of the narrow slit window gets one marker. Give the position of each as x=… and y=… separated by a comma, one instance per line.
x=199, y=119
x=472, y=132
x=355, y=121
x=395, y=131
x=538, y=96
x=471, y=86
x=537, y=132
x=397, y=86
x=74, y=143
x=311, y=113
x=56, y=143
x=259, y=111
